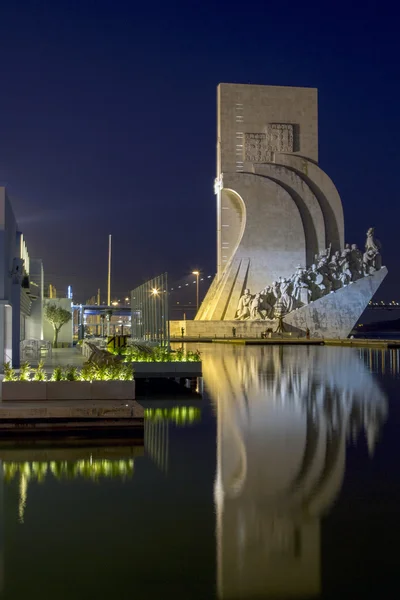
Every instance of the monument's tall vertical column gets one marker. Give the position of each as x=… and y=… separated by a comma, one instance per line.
x=217, y=186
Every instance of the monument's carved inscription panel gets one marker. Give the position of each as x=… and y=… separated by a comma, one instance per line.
x=280, y=137
x=258, y=147
x=255, y=145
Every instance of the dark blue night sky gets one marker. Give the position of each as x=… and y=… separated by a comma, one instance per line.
x=108, y=120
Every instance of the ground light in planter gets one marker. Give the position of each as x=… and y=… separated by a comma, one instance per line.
x=93, y=382
x=158, y=354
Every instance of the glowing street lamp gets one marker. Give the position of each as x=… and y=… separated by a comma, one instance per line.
x=155, y=292
x=197, y=273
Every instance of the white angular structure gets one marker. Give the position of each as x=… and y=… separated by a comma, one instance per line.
x=277, y=210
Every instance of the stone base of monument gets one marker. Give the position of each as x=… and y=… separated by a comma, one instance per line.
x=332, y=316
x=335, y=315
x=224, y=329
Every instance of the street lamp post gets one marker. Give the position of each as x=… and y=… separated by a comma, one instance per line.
x=197, y=273
x=154, y=324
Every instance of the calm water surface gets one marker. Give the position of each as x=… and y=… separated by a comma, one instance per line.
x=283, y=482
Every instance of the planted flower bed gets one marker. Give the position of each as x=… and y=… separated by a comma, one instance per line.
x=158, y=355
x=161, y=362
x=92, y=382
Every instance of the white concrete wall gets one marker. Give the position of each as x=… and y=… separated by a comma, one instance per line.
x=8, y=250
x=34, y=323
x=8, y=244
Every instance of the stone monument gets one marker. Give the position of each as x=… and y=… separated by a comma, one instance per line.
x=281, y=252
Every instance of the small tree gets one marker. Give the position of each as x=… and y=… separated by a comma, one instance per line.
x=58, y=317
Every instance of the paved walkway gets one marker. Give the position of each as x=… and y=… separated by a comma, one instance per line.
x=62, y=357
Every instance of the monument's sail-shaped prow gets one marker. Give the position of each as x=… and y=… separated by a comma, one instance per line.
x=280, y=226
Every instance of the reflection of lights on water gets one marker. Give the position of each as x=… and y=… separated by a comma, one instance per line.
x=180, y=415
x=23, y=494
x=87, y=468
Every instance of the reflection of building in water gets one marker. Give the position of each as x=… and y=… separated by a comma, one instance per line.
x=1, y=529
x=156, y=441
x=381, y=360
x=156, y=430
x=284, y=417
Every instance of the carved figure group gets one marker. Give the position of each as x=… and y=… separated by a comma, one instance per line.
x=329, y=272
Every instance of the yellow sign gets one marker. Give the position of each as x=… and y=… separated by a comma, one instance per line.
x=116, y=341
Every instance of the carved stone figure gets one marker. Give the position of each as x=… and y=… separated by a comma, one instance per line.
x=316, y=282
x=329, y=272
x=369, y=262
x=323, y=269
x=286, y=298
x=243, y=309
x=334, y=271
x=276, y=290
x=323, y=254
x=371, y=243
x=301, y=289
x=345, y=254
x=268, y=302
x=356, y=262
x=371, y=257
x=255, y=308
x=345, y=276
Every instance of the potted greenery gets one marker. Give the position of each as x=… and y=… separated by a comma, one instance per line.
x=66, y=384
x=57, y=317
x=111, y=382
x=93, y=382
x=21, y=386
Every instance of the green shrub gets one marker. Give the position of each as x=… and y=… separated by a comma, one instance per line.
x=25, y=372
x=179, y=353
x=119, y=371
x=9, y=372
x=126, y=372
x=86, y=373
x=192, y=356
x=161, y=354
x=58, y=374
x=39, y=374
x=71, y=373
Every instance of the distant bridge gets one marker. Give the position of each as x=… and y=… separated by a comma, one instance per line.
x=384, y=306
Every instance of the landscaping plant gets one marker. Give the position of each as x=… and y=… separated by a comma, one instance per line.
x=58, y=374
x=24, y=372
x=57, y=316
x=9, y=372
x=39, y=374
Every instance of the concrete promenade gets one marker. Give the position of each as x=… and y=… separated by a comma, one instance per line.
x=291, y=341
x=61, y=357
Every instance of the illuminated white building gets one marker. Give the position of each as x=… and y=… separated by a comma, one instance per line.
x=21, y=287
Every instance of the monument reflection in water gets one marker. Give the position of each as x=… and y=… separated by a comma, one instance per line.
x=285, y=416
